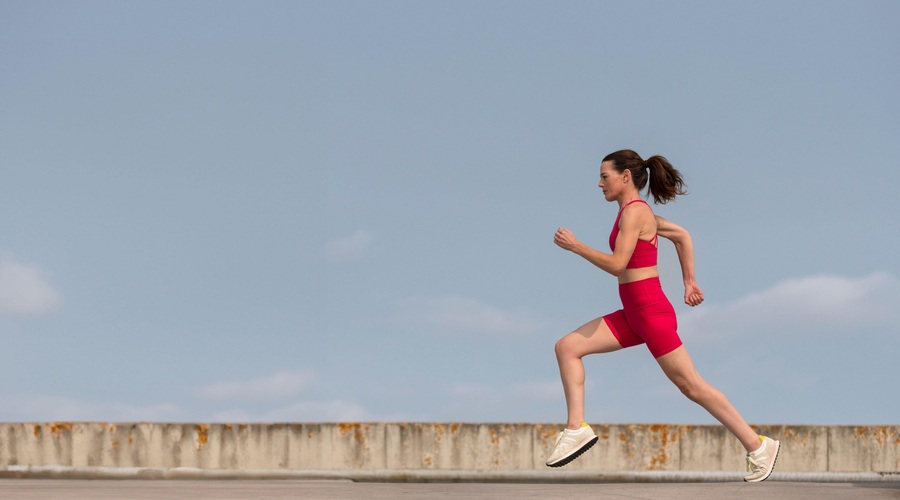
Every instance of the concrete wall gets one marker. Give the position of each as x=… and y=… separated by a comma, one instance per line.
x=433, y=446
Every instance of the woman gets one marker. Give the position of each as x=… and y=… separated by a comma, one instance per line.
x=647, y=316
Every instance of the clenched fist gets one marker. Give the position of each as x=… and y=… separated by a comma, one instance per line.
x=565, y=239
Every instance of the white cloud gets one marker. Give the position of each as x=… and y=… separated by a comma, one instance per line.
x=36, y=407
x=349, y=249
x=278, y=386
x=536, y=391
x=304, y=411
x=473, y=391
x=24, y=290
x=454, y=314
x=542, y=399
x=49, y=408
x=551, y=390
x=813, y=304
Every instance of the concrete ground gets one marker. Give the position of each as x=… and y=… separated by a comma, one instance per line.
x=347, y=490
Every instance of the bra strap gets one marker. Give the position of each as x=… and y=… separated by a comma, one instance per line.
x=632, y=201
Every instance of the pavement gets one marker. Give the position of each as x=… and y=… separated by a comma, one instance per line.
x=349, y=490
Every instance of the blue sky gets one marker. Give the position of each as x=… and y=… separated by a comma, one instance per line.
x=321, y=211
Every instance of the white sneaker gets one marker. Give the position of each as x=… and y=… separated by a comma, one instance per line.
x=571, y=444
x=761, y=462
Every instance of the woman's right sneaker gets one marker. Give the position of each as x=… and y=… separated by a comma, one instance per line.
x=571, y=444
x=761, y=462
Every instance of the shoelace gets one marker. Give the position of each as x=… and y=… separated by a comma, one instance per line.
x=753, y=465
x=559, y=437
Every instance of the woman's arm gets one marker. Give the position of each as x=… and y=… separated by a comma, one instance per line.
x=678, y=235
x=608, y=262
x=615, y=263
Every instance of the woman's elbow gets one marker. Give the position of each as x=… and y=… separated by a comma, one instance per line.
x=681, y=236
x=617, y=269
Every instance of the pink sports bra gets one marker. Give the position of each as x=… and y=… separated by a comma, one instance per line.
x=646, y=253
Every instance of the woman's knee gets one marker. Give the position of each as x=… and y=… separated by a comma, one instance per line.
x=694, y=389
x=565, y=347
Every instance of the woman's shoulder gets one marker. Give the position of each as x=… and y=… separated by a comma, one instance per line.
x=639, y=208
x=637, y=214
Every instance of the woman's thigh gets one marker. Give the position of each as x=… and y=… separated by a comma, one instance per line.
x=593, y=337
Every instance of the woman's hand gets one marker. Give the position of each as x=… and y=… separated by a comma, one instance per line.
x=565, y=239
x=693, y=296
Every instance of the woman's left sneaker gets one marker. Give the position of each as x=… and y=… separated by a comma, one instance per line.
x=761, y=462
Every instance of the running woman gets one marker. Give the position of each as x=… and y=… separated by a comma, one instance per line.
x=647, y=316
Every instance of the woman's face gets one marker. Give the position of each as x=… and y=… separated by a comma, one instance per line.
x=611, y=181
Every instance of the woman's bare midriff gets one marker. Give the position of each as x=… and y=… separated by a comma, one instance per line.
x=638, y=274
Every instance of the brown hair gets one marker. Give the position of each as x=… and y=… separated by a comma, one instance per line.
x=665, y=181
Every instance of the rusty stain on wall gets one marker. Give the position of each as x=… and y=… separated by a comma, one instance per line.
x=440, y=430
x=661, y=436
x=57, y=427
x=548, y=432
x=358, y=430
x=202, y=435
x=882, y=435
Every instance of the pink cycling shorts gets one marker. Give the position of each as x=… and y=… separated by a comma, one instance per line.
x=646, y=316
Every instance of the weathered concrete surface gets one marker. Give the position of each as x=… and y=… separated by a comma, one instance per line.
x=432, y=446
x=344, y=490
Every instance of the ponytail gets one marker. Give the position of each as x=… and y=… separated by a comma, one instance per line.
x=665, y=182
